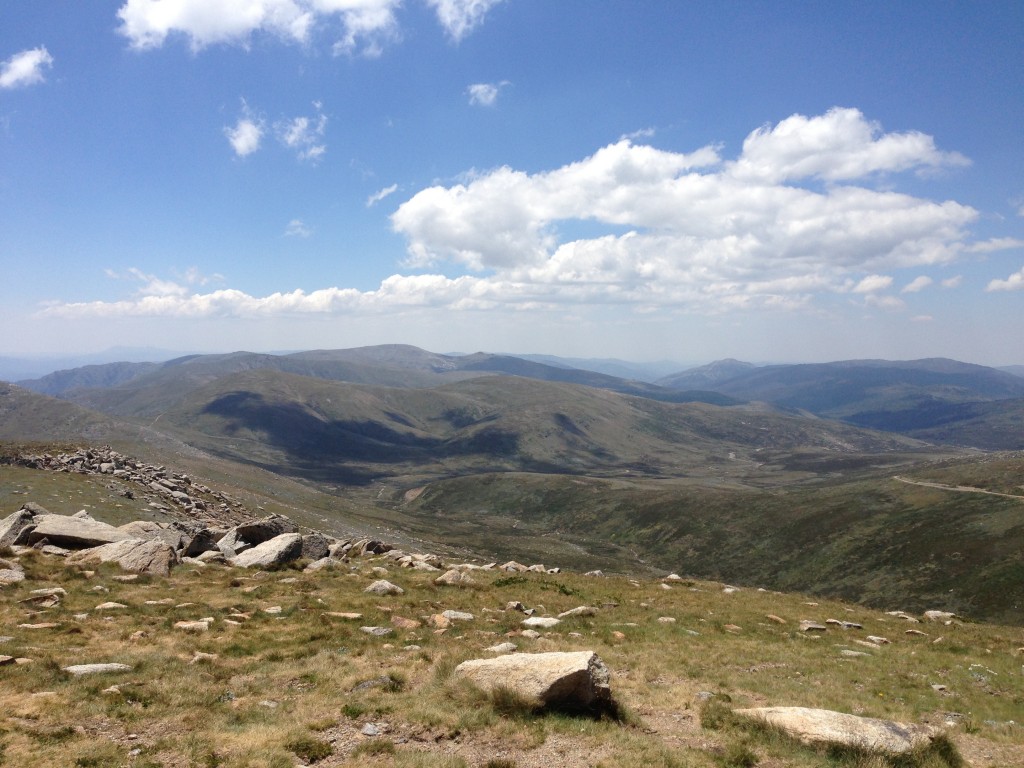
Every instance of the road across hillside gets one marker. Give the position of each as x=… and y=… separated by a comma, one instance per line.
x=959, y=488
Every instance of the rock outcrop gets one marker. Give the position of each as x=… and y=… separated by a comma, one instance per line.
x=70, y=531
x=137, y=555
x=276, y=551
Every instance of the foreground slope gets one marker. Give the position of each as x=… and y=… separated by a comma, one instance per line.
x=215, y=665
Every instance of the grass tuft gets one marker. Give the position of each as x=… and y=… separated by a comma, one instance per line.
x=310, y=749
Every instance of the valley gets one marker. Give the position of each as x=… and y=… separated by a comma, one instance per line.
x=556, y=464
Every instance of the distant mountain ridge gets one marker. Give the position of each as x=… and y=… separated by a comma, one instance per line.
x=386, y=365
x=913, y=397
x=934, y=399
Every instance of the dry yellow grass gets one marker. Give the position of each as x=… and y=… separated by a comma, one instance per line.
x=273, y=688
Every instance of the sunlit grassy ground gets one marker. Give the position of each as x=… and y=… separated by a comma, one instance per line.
x=268, y=688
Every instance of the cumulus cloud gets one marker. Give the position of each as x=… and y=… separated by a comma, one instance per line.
x=838, y=146
x=691, y=231
x=485, y=94
x=952, y=282
x=297, y=228
x=460, y=17
x=246, y=134
x=376, y=197
x=873, y=283
x=360, y=27
x=917, y=284
x=1014, y=282
x=305, y=134
x=25, y=68
x=996, y=244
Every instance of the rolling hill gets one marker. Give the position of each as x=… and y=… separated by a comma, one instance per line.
x=510, y=466
x=934, y=399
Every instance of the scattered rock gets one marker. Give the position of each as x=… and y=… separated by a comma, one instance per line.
x=776, y=619
x=574, y=681
x=583, y=610
x=315, y=546
x=812, y=626
x=73, y=532
x=384, y=587
x=542, y=622
x=502, y=648
x=12, y=525
x=138, y=555
x=457, y=616
x=377, y=631
x=821, y=726
x=202, y=625
x=454, y=578
x=271, y=552
x=11, y=576
x=96, y=669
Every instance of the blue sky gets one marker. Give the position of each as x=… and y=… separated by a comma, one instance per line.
x=772, y=181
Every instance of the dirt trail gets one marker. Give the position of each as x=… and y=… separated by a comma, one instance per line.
x=957, y=488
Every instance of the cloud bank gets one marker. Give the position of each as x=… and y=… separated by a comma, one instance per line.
x=793, y=218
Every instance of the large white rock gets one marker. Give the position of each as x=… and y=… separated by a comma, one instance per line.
x=136, y=555
x=72, y=532
x=96, y=669
x=278, y=550
x=575, y=680
x=822, y=726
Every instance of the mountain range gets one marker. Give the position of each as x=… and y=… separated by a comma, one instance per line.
x=841, y=478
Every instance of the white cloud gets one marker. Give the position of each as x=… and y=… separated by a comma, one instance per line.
x=304, y=134
x=917, y=284
x=376, y=197
x=485, y=94
x=884, y=302
x=873, y=283
x=922, y=319
x=297, y=228
x=25, y=68
x=1014, y=282
x=152, y=286
x=677, y=231
x=837, y=146
x=246, y=135
x=995, y=244
x=642, y=133
x=952, y=282
x=460, y=17
x=361, y=27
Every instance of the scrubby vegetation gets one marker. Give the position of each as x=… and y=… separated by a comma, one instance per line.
x=281, y=675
